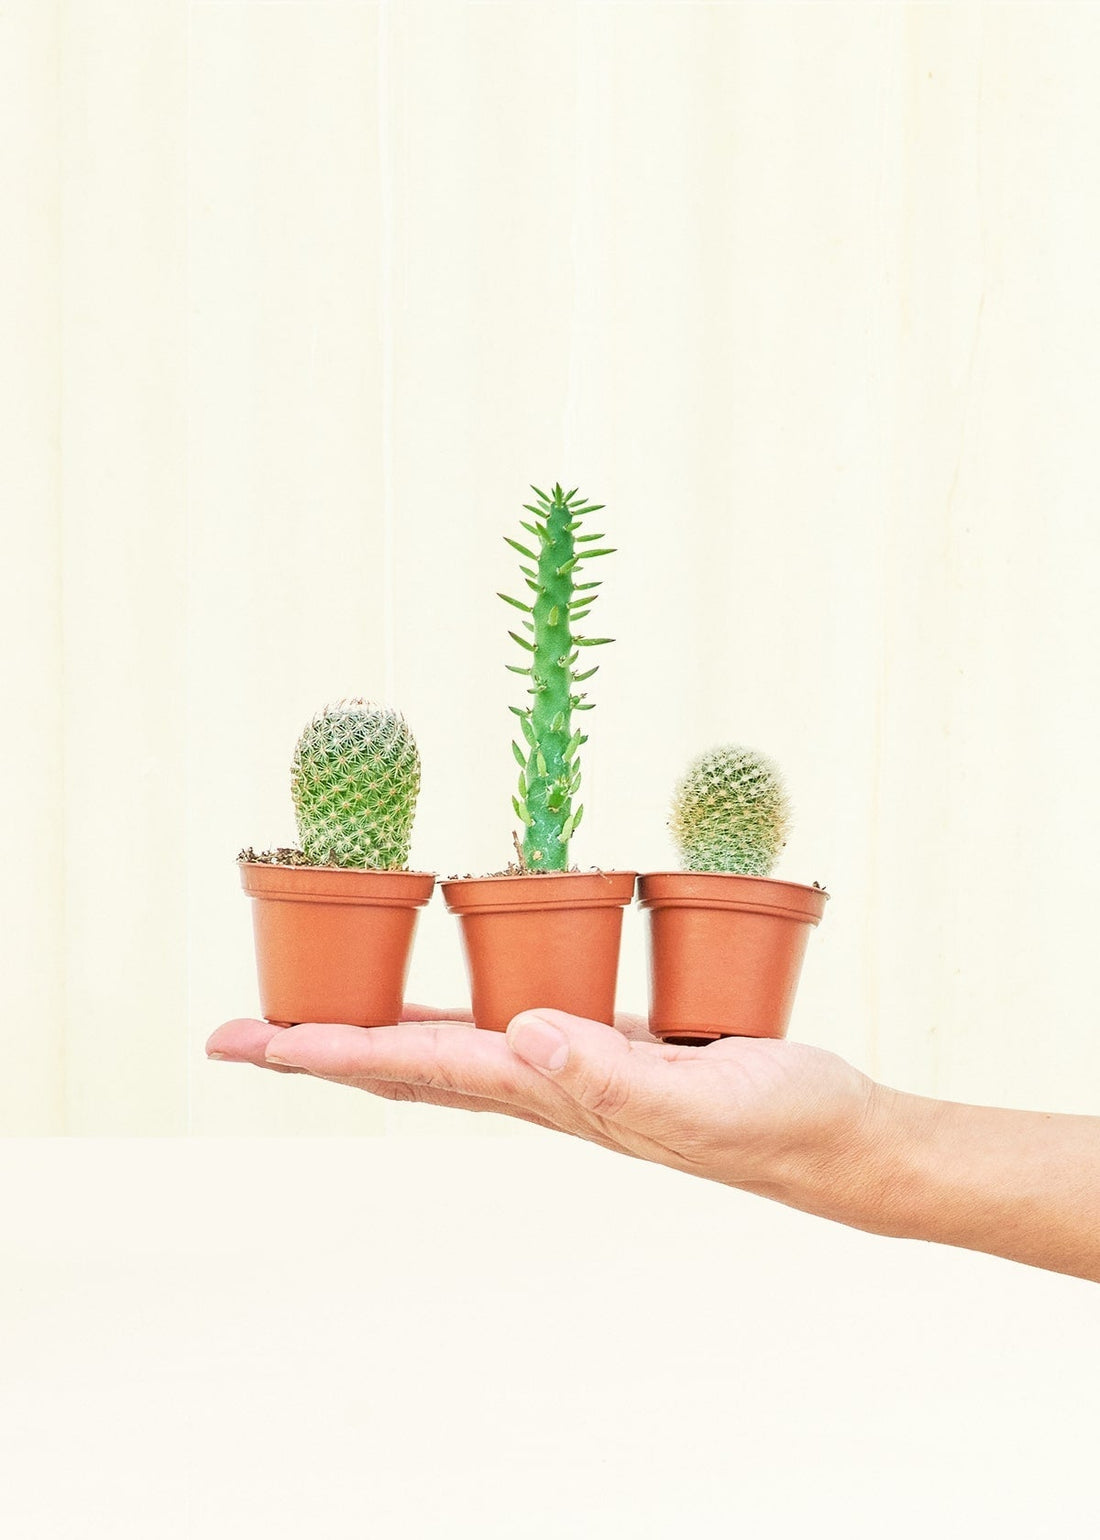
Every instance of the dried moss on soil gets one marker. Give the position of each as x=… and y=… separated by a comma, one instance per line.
x=511, y=870
x=289, y=856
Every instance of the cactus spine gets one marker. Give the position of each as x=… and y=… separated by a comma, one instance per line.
x=354, y=781
x=549, y=768
x=730, y=813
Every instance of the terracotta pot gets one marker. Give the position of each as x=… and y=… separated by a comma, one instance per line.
x=533, y=941
x=725, y=953
x=333, y=943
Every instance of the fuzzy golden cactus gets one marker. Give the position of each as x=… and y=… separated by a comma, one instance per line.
x=730, y=813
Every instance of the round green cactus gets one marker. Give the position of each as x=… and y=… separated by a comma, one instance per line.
x=354, y=780
x=730, y=813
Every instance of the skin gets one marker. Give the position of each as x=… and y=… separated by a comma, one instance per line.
x=781, y=1119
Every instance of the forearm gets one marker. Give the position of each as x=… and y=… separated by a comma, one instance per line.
x=1022, y=1185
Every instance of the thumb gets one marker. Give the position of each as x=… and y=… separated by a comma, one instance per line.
x=592, y=1062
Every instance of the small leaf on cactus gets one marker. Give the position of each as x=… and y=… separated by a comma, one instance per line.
x=730, y=813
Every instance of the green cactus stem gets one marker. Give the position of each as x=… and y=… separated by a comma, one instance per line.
x=730, y=813
x=549, y=767
x=354, y=781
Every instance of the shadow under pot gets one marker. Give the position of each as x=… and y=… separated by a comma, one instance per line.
x=725, y=953
x=532, y=941
x=333, y=943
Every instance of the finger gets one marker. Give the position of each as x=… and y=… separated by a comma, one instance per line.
x=444, y=1064
x=240, y=1039
x=244, y=1041
x=435, y=1013
x=609, y=1077
x=630, y=1025
x=412, y=1062
x=634, y=1027
x=444, y=1056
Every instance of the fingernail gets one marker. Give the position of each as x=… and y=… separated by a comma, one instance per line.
x=538, y=1042
x=212, y=1053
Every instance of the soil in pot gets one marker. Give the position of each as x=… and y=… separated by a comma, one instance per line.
x=725, y=953
x=333, y=943
x=541, y=939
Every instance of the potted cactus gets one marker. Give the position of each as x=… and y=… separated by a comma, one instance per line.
x=540, y=932
x=726, y=940
x=334, y=920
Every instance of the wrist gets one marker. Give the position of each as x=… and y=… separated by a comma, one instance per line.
x=871, y=1174
x=1017, y=1184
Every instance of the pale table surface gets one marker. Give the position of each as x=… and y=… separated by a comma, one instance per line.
x=438, y=1333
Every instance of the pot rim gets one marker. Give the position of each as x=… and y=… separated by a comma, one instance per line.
x=543, y=891
x=336, y=884
x=358, y=871
x=781, y=882
x=733, y=891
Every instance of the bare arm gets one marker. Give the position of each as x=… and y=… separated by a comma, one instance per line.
x=1023, y=1185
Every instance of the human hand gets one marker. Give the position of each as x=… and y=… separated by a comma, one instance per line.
x=779, y=1118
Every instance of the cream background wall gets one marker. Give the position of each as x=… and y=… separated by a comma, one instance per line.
x=298, y=298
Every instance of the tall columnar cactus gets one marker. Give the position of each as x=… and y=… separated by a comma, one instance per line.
x=549, y=770
x=730, y=813
x=354, y=780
